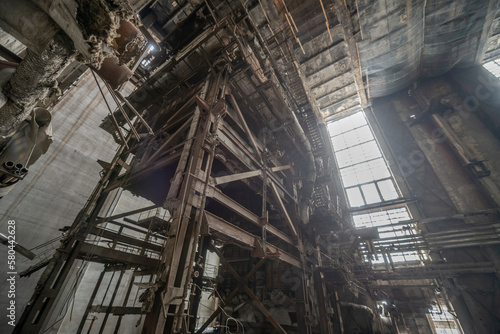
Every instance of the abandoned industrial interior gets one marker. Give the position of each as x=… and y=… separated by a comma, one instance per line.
x=250, y=166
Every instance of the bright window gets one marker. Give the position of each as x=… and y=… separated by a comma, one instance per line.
x=364, y=172
x=444, y=322
x=367, y=180
x=494, y=67
x=389, y=227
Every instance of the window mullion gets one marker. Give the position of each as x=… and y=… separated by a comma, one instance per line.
x=353, y=146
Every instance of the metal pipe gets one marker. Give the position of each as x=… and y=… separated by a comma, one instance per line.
x=6, y=179
x=8, y=165
x=17, y=247
x=458, y=241
x=124, y=113
x=110, y=111
x=460, y=236
x=310, y=177
x=472, y=244
x=120, y=96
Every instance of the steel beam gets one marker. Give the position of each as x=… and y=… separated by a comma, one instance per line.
x=283, y=210
x=9, y=55
x=264, y=311
x=242, y=286
x=116, y=310
x=125, y=214
x=228, y=202
x=89, y=304
x=245, y=238
x=245, y=126
x=245, y=175
x=108, y=255
x=100, y=232
x=238, y=149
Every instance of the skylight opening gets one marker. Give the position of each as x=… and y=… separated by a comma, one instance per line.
x=368, y=180
x=443, y=320
x=363, y=170
x=493, y=67
x=391, y=224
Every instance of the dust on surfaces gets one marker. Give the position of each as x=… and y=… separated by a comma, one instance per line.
x=99, y=21
x=35, y=78
x=133, y=49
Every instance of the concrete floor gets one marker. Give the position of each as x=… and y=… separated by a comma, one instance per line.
x=58, y=184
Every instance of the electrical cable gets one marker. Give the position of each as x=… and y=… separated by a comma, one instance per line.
x=238, y=322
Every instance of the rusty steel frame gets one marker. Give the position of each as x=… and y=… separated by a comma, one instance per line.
x=242, y=287
x=189, y=215
x=190, y=187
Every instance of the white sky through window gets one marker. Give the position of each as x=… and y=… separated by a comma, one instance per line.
x=494, y=67
x=367, y=180
x=363, y=169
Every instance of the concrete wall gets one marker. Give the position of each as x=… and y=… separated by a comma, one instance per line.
x=58, y=184
x=12, y=44
x=432, y=147
x=78, y=297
